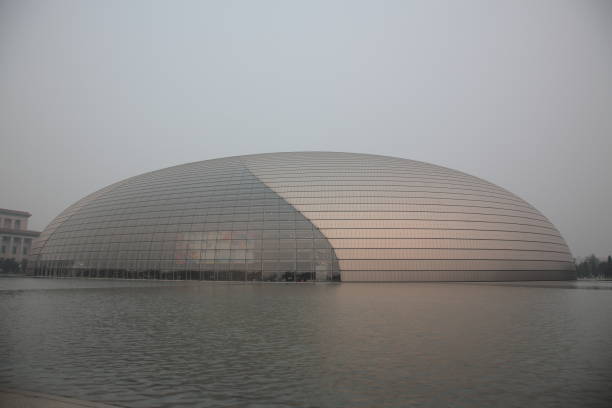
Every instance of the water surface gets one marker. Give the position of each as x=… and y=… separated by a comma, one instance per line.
x=168, y=344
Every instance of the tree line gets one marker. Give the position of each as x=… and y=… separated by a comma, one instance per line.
x=9, y=265
x=592, y=267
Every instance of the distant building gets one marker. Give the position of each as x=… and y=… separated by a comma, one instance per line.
x=15, y=238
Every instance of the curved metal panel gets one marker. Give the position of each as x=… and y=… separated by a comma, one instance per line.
x=389, y=218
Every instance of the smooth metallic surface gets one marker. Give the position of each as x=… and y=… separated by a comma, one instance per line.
x=304, y=216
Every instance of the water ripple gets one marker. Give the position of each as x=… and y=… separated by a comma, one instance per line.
x=141, y=344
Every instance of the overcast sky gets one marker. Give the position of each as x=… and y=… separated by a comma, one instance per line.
x=516, y=92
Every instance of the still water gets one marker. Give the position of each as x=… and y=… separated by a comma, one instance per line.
x=172, y=344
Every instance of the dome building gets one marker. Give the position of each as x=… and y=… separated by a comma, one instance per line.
x=304, y=216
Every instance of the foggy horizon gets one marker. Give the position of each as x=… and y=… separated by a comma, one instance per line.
x=518, y=94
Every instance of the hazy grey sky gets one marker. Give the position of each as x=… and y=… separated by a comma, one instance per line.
x=516, y=92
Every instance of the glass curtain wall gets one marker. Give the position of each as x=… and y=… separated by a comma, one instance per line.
x=211, y=222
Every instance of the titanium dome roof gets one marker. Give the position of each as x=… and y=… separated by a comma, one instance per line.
x=304, y=216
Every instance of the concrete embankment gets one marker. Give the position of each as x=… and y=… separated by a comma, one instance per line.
x=26, y=399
